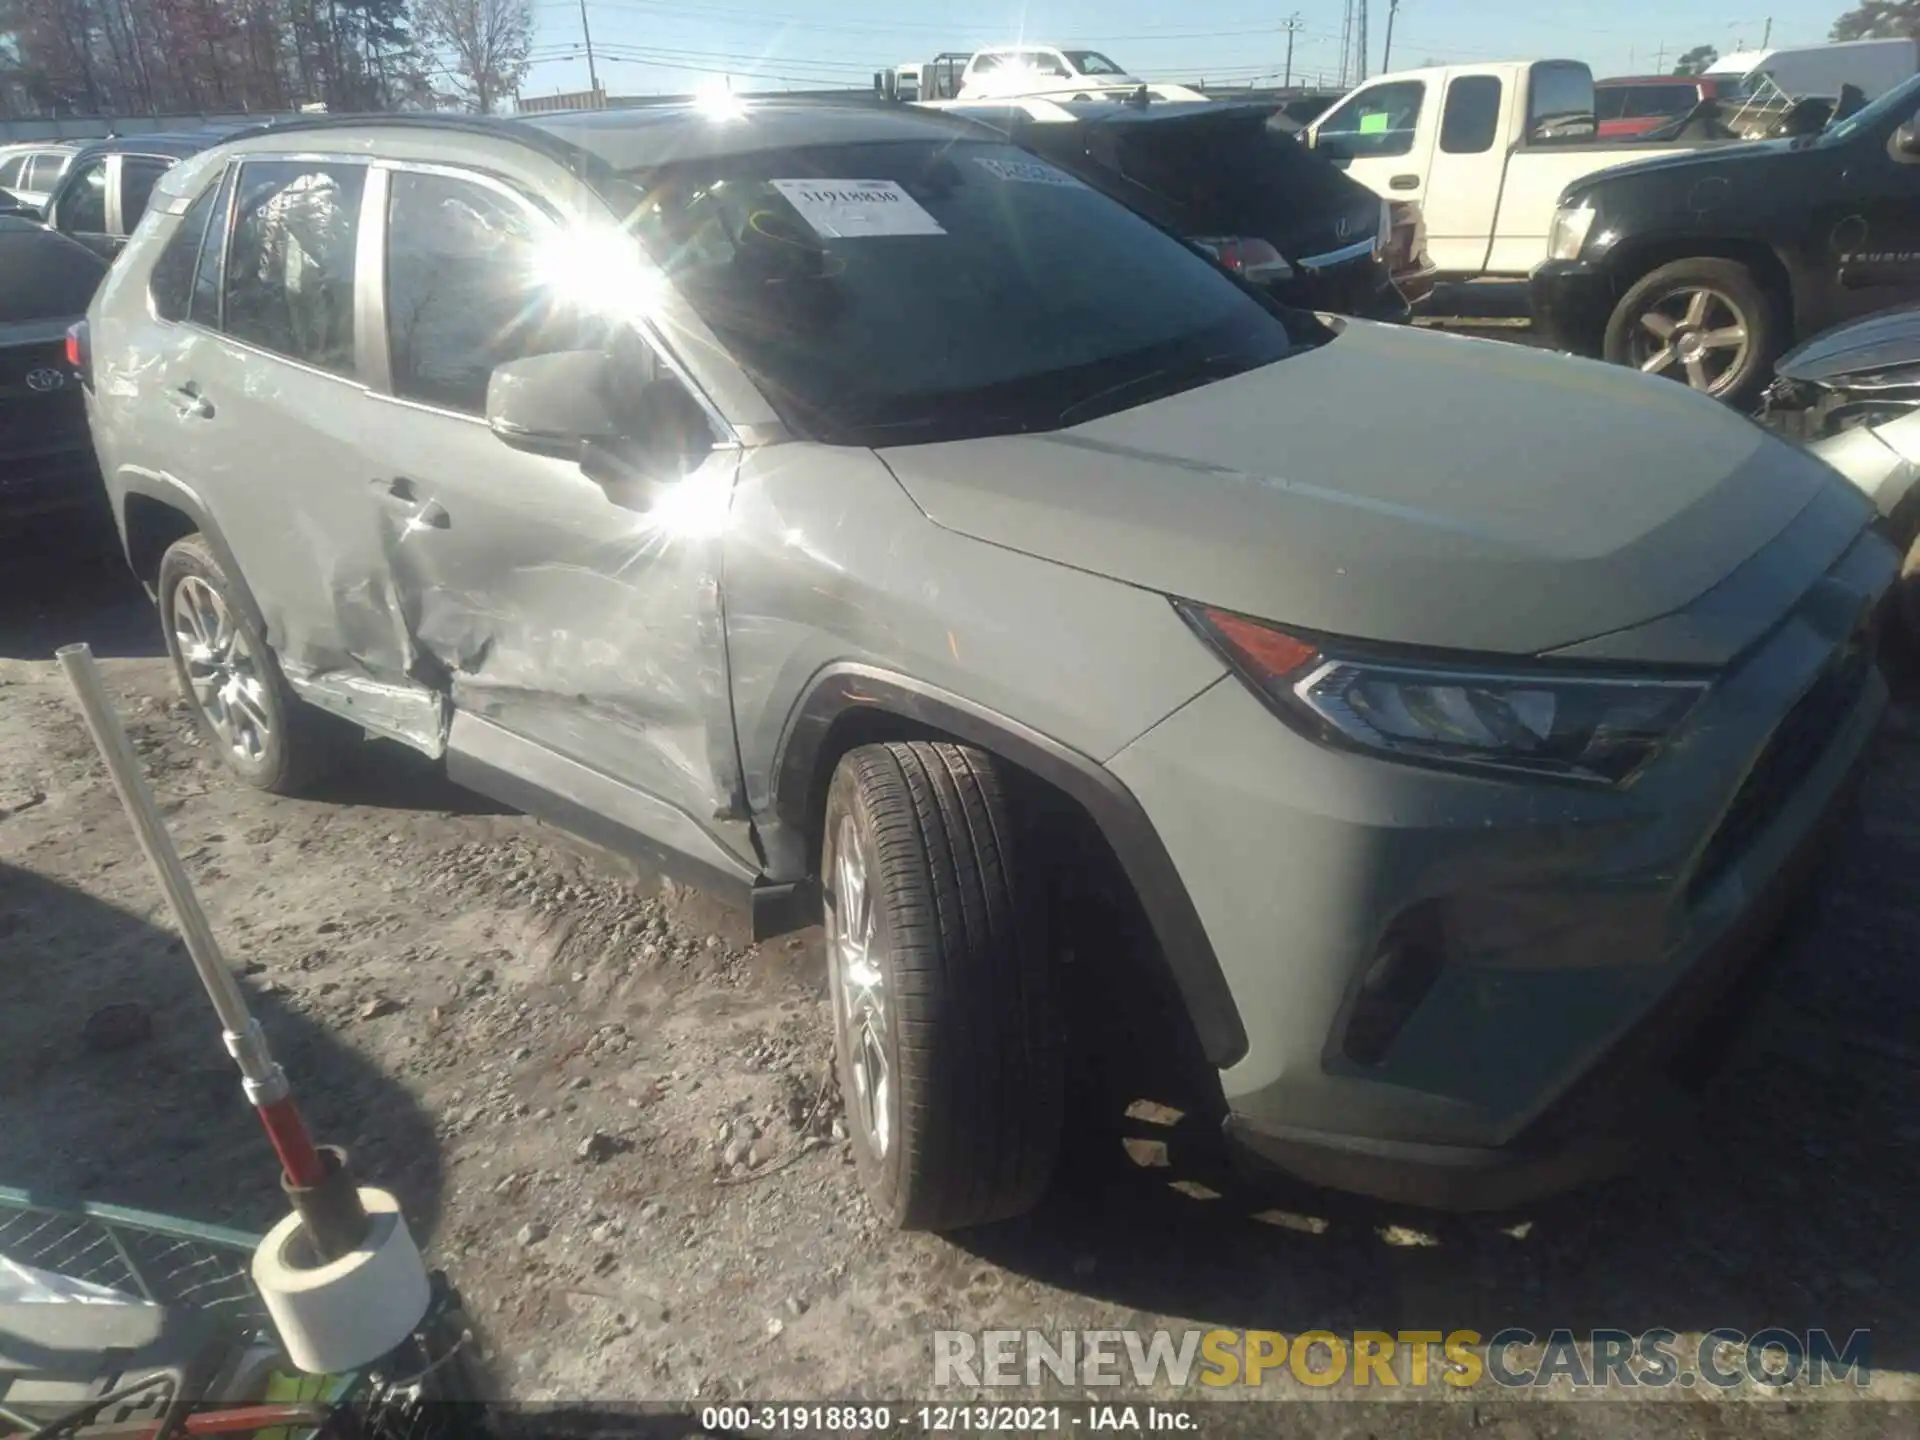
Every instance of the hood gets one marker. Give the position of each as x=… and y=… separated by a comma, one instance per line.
x=1401, y=487
x=1882, y=348
x=1727, y=160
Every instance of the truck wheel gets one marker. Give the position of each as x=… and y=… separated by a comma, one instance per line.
x=1708, y=323
x=943, y=1022
x=228, y=674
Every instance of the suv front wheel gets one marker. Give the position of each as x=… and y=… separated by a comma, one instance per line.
x=949, y=1062
x=256, y=725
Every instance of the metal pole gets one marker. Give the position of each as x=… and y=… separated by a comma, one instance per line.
x=593, y=76
x=1292, y=28
x=1386, y=55
x=262, y=1078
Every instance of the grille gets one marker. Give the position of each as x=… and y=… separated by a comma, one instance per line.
x=1795, y=748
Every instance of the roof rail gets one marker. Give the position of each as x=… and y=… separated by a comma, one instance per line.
x=580, y=162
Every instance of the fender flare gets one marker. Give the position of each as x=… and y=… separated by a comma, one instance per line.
x=175, y=496
x=840, y=689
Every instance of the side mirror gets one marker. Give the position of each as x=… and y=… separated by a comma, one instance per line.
x=11, y=204
x=552, y=404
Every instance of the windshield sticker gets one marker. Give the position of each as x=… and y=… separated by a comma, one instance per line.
x=1027, y=172
x=854, y=209
x=1375, y=123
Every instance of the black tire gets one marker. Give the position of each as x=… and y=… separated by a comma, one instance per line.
x=301, y=745
x=1737, y=289
x=976, y=1077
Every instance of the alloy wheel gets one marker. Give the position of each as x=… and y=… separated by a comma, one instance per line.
x=1695, y=333
x=859, y=982
x=221, y=670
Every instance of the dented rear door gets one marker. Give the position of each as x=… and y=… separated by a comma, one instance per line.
x=256, y=404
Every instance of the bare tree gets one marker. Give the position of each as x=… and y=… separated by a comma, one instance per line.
x=486, y=43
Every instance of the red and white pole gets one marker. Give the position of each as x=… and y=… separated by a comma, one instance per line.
x=314, y=1178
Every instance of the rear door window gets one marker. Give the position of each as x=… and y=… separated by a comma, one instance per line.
x=290, y=264
x=10, y=171
x=1471, y=119
x=1609, y=103
x=138, y=175
x=1380, y=120
x=83, y=205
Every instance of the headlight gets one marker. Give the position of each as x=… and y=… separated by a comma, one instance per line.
x=1566, y=725
x=1568, y=236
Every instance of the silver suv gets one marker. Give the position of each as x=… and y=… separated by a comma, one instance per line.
x=809, y=497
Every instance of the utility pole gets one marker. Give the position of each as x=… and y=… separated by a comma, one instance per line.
x=1767, y=39
x=1293, y=27
x=1386, y=55
x=593, y=76
x=1360, y=47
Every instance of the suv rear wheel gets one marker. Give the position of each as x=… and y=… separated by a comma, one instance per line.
x=943, y=1023
x=224, y=668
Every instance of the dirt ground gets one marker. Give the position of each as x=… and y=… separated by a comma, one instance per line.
x=611, y=1119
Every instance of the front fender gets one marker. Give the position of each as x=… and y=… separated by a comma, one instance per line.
x=842, y=691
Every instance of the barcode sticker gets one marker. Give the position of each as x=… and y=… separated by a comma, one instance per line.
x=1028, y=172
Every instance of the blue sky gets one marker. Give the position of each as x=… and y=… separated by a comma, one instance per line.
x=648, y=46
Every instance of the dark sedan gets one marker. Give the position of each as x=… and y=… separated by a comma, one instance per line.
x=1706, y=267
x=1228, y=176
x=46, y=455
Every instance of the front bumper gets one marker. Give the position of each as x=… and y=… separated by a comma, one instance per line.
x=1582, y=935
x=1571, y=301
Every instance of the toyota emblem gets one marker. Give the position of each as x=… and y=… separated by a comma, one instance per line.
x=45, y=379
x=1340, y=227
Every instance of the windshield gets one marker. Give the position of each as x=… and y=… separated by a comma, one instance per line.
x=1898, y=103
x=1092, y=62
x=904, y=291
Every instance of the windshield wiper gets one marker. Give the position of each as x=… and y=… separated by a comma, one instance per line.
x=1165, y=381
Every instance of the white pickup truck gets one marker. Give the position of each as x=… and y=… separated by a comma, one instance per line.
x=1484, y=149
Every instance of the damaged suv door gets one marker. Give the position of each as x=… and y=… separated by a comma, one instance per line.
x=575, y=629
x=256, y=333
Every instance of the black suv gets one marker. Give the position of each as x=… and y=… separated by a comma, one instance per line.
x=1707, y=267
x=104, y=192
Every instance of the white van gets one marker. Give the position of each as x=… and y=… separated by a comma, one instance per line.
x=1799, y=71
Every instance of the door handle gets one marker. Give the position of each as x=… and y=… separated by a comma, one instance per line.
x=428, y=514
x=190, y=404
x=1405, y=182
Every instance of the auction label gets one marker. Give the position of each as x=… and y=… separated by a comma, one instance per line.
x=854, y=209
